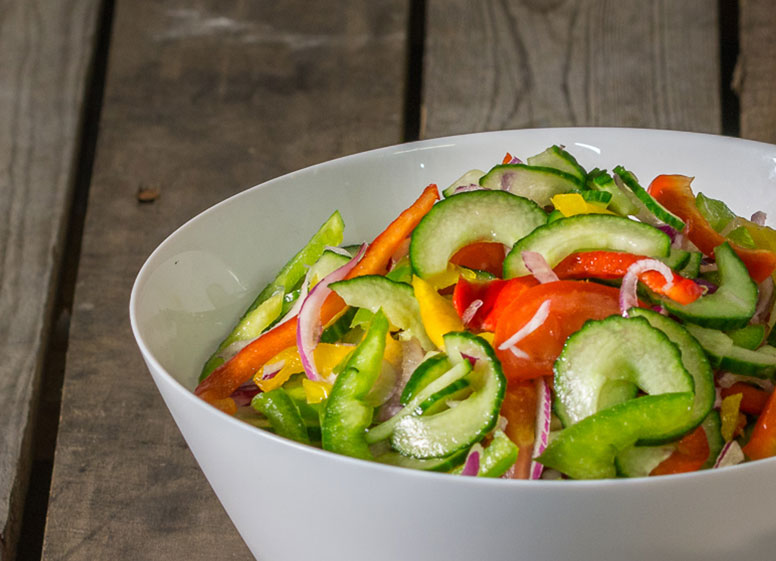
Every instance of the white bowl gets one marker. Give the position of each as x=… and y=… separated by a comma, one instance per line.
x=293, y=502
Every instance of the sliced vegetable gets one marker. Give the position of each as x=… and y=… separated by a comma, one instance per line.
x=539, y=184
x=558, y=239
x=674, y=192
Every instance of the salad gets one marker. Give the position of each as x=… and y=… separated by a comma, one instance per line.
x=538, y=320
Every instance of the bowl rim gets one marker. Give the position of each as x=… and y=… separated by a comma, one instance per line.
x=395, y=149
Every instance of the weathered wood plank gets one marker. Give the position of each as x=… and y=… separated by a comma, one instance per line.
x=45, y=53
x=535, y=63
x=755, y=78
x=202, y=99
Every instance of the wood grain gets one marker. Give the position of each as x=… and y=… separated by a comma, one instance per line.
x=203, y=99
x=45, y=53
x=755, y=78
x=538, y=63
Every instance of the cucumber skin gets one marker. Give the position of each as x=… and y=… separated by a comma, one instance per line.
x=494, y=180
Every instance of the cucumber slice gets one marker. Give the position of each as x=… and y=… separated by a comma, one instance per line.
x=475, y=216
x=395, y=298
x=692, y=269
x=639, y=461
x=677, y=259
x=600, y=181
x=432, y=464
x=385, y=429
x=438, y=401
x=558, y=239
x=471, y=177
x=458, y=428
x=712, y=426
x=693, y=359
x=601, y=197
x=734, y=302
x=654, y=207
x=425, y=373
x=328, y=262
x=556, y=157
x=538, y=184
x=618, y=350
x=587, y=449
x=724, y=354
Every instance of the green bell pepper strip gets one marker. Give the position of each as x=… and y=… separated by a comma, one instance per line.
x=282, y=413
x=272, y=301
x=587, y=449
x=346, y=415
x=497, y=458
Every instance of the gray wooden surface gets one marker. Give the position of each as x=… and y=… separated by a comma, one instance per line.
x=755, y=77
x=45, y=53
x=536, y=63
x=203, y=99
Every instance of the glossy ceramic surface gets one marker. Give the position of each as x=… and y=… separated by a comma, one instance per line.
x=291, y=502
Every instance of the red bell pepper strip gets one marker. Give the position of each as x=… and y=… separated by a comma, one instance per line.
x=572, y=303
x=510, y=291
x=507, y=158
x=691, y=454
x=613, y=265
x=467, y=292
x=217, y=388
x=762, y=444
x=519, y=409
x=674, y=193
x=753, y=399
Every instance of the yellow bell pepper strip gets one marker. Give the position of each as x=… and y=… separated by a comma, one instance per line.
x=762, y=444
x=346, y=415
x=217, y=388
x=282, y=413
x=571, y=204
x=728, y=412
x=316, y=391
x=326, y=355
x=437, y=313
x=674, y=193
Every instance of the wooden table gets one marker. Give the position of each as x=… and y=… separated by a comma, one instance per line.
x=123, y=118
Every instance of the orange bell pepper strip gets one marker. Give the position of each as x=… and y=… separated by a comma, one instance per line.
x=674, y=193
x=762, y=444
x=753, y=399
x=614, y=264
x=519, y=409
x=217, y=388
x=691, y=453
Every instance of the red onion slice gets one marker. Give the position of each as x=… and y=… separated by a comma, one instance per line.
x=270, y=370
x=764, y=297
x=472, y=465
x=309, y=327
x=533, y=324
x=759, y=218
x=543, y=421
x=628, y=296
x=730, y=455
x=537, y=264
x=471, y=311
